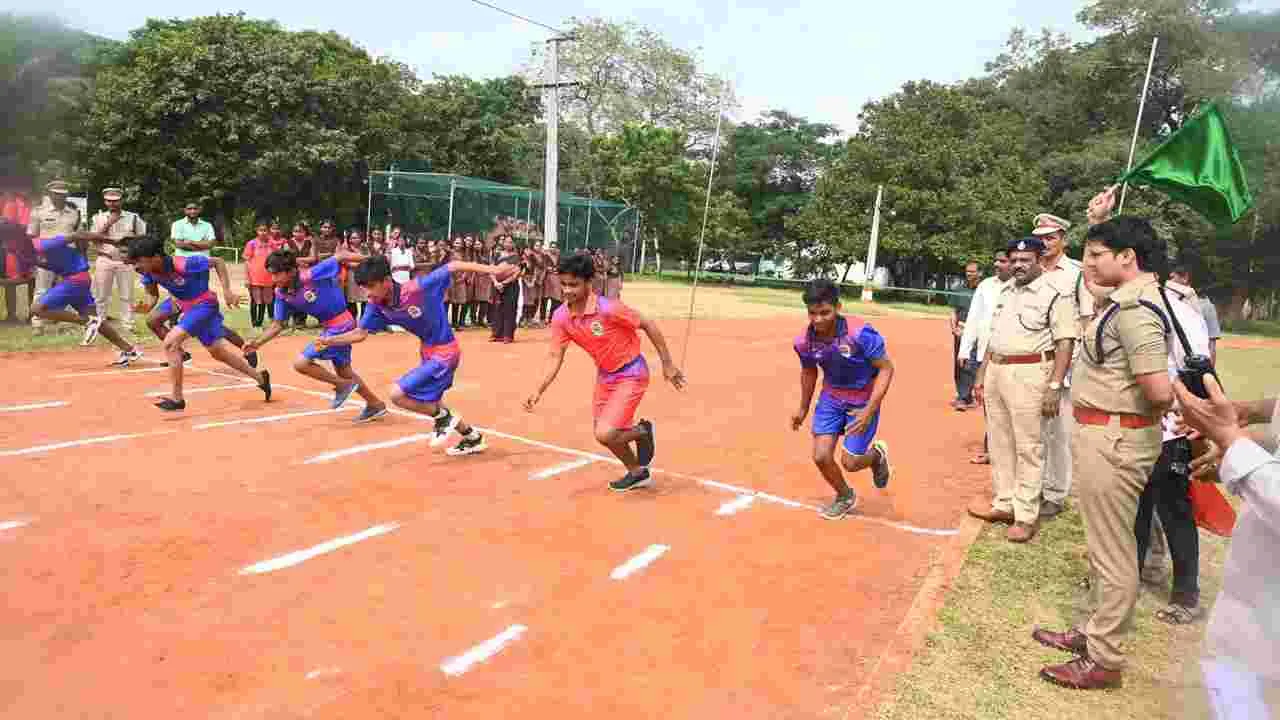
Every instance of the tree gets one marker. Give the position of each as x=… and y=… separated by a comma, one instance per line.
x=631, y=74
x=772, y=166
x=241, y=111
x=474, y=127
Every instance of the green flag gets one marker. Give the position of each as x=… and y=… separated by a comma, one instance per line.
x=1199, y=166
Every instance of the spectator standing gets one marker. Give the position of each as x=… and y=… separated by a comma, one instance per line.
x=54, y=216
x=504, y=327
x=1180, y=283
x=192, y=235
x=977, y=327
x=112, y=274
x=960, y=302
x=261, y=293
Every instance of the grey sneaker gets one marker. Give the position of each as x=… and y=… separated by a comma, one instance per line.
x=841, y=506
x=91, y=330
x=469, y=445
x=632, y=482
x=370, y=414
x=341, y=395
x=881, y=470
x=445, y=424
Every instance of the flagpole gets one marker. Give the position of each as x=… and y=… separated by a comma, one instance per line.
x=1137, y=125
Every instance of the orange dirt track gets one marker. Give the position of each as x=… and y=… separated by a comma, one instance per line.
x=121, y=560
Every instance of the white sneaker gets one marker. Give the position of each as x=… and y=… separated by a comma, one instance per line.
x=444, y=426
x=91, y=330
x=127, y=357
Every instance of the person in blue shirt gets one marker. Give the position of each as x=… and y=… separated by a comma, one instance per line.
x=315, y=291
x=187, y=280
x=856, y=373
x=418, y=307
x=61, y=256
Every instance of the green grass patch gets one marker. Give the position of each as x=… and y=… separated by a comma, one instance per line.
x=1256, y=328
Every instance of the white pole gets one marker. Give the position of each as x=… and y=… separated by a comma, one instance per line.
x=587, y=242
x=448, y=233
x=644, y=246
x=870, y=269
x=528, y=220
x=568, y=226
x=702, y=235
x=368, y=214
x=635, y=241
x=551, y=96
x=1137, y=125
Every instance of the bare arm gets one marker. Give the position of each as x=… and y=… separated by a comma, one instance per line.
x=881, y=387
x=808, y=381
x=349, y=258
x=1052, y=400
x=267, y=336
x=220, y=267
x=153, y=294
x=669, y=370
x=1157, y=389
x=555, y=359
x=351, y=337
x=467, y=266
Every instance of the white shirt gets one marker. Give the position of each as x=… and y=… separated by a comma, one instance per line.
x=1197, y=337
x=401, y=256
x=977, y=325
x=1245, y=625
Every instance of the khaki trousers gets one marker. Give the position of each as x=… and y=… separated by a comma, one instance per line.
x=109, y=275
x=1057, y=453
x=1112, y=464
x=1013, y=397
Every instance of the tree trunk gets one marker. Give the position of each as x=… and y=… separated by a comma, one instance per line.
x=1235, y=306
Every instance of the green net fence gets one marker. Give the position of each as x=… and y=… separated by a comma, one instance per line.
x=439, y=205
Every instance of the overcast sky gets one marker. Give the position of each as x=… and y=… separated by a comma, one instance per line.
x=821, y=59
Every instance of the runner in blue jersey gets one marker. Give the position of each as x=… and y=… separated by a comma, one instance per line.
x=315, y=291
x=187, y=280
x=418, y=306
x=60, y=256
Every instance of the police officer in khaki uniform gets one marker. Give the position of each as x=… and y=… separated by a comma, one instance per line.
x=1121, y=389
x=1033, y=332
x=55, y=216
x=111, y=271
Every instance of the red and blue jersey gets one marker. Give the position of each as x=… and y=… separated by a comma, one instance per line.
x=57, y=255
x=186, y=279
x=418, y=306
x=846, y=359
x=316, y=293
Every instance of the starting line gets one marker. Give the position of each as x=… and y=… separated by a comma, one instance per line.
x=741, y=492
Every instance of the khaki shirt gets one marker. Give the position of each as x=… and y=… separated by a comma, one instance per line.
x=1133, y=343
x=46, y=221
x=1065, y=275
x=1030, y=318
x=129, y=225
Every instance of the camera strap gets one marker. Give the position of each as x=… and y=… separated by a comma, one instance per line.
x=1173, y=319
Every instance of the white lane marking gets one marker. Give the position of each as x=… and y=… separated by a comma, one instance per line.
x=34, y=406
x=76, y=443
x=265, y=418
x=109, y=372
x=301, y=556
x=13, y=524
x=562, y=467
x=742, y=502
x=335, y=454
x=323, y=672
x=498, y=605
x=457, y=665
x=639, y=562
x=193, y=391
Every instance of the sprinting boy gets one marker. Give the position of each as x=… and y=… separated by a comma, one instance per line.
x=60, y=256
x=606, y=330
x=418, y=307
x=315, y=291
x=856, y=372
x=187, y=280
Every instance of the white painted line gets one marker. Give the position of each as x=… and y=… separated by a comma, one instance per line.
x=33, y=406
x=651, y=553
x=744, y=491
x=455, y=666
x=498, y=605
x=211, y=388
x=266, y=418
x=109, y=372
x=323, y=672
x=562, y=467
x=742, y=502
x=301, y=556
x=76, y=443
x=14, y=524
x=335, y=454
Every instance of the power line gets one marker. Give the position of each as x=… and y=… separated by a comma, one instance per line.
x=518, y=17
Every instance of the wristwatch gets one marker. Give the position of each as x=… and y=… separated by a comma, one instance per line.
x=1055, y=385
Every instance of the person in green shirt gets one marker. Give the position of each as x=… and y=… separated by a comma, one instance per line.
x=959, y=302
x=191, y=235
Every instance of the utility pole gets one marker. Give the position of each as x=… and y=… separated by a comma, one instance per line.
x=551, y=99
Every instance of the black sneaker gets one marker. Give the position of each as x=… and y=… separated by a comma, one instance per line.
x=445, y=424
x=252, y=359
x=645, y=445
x=881, y=470
x=469, y=445
x=632, y=482
x=171, y=405
x=370, y=414
x=265, y=385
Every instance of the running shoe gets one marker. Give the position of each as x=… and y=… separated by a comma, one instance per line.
x=841, y=506
x=469, y=445
x=370, y=414
x=632, y=481
x=127, y=357
x=91, y=330
x=171, y=405
x=445, y=424
x=341, y=395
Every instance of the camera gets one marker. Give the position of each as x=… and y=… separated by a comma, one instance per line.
x=1192, y=375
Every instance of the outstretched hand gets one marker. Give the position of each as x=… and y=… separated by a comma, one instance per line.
x=532, y=401
x=674, y=375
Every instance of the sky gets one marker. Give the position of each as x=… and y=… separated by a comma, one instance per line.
x=820, y=59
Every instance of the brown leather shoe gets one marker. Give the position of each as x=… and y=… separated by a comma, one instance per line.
x=1023, y=532
x=1072, y=641
x=1082, y=674
x=982, y=510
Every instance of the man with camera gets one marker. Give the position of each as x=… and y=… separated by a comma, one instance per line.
x=1120, y=390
